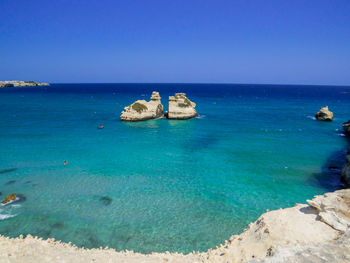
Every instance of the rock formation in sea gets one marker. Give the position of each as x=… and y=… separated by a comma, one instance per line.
x=345, y=173
x=318, y=232
x=142, y=110
x=346, y=127
x=324, y=114
x=180, y=107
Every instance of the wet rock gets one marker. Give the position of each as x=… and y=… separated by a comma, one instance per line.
x=324, y=114
x=106, y=200
x=9, y=198
x=10, y=182
x=142, y=110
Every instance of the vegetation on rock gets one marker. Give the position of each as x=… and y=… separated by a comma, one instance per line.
x=139, y=107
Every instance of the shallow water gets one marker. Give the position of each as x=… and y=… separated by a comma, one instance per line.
x=162, y=184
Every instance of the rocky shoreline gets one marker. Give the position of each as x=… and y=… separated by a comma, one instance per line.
x=20, y=83
x=317, y=232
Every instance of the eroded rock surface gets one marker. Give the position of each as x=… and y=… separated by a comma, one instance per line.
x=180, y=107
x=142, y=110
x=324, y=114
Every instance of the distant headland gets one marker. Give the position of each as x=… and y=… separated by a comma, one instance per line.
x=21, y=83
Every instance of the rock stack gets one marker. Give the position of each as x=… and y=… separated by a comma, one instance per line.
x=142, y=110
x=324, y=114
x=180, y=107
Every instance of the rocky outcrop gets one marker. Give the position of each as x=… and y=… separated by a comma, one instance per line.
x=345, y=173
x=324, y=114
x=9, y=198
x=20, y=83
x=334, y=209
x=346, y=127
x=142, y=110
x=318, y=232
x=180, y=107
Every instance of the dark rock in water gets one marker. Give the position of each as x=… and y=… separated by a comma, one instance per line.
x=7, y=170
x=0, y=194
x=106, y=200
x=28, y=182
x=9, y=198
x=10, y=182
x=334, y=168
x=346, y=127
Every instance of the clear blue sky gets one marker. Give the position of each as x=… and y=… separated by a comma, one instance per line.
x=217, y=41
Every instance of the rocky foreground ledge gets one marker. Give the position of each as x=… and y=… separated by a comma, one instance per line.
x=318, y=232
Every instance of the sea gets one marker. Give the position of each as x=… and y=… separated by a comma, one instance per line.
x=163, y=185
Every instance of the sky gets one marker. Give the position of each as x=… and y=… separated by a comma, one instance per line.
x=176, y=41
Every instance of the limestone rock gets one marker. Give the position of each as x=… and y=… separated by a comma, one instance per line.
x=345, y=173
x=9, y=198
x=324, y=114
x=180, y=107
x=333, y=251
x=334, y=209
x=142, y=110
x=346, y=127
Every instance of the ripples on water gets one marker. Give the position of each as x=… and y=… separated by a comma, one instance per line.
x=163, y=184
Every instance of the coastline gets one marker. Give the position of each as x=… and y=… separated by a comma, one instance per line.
x=276, y=236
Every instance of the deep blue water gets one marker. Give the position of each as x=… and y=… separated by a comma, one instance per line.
x=163, y=184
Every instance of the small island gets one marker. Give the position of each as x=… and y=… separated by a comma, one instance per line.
x=21, y=83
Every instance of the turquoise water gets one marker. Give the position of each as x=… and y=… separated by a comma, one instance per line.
x=162, y=184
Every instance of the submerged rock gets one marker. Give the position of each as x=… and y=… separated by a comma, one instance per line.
x=142, y=110
x=346, y=127
x=7, y=170
x=10, y=182
x=345, y=173
x=324, y=114
x=9, y=198
x=180, y=107
x=106, y=200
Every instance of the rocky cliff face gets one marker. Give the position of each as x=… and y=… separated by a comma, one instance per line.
x=142, y=110
x=345, y=173
x=324, y=114
x=180, y=107
x=346, y=127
